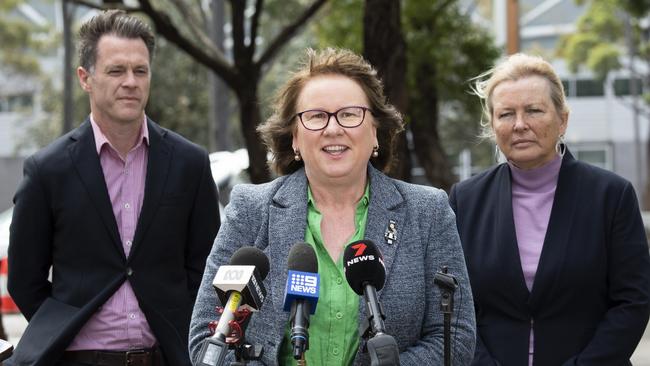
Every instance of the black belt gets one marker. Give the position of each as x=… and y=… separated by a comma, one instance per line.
x=138, y=357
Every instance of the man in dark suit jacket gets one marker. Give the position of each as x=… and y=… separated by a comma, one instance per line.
x=124, y=214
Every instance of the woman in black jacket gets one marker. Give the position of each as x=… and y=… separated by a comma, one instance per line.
x=555, y=248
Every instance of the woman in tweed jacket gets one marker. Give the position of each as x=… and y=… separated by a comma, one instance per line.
x=329, y=122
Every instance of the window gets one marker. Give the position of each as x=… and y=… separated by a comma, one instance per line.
x=17, y=103
x=589, y=88
x=583, y=88
x=622, y=87
x=566, y=85
x=599, y=155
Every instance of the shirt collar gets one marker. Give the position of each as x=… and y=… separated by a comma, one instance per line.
x=101, y=139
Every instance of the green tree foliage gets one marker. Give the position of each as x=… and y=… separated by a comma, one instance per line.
x=459, y=50
x=20, y=41
x=600, y=40
x=179, y=93
x=444, y=51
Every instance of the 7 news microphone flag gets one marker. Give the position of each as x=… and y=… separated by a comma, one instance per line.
x=239, y=286
x=301, y=294
x=366, y=274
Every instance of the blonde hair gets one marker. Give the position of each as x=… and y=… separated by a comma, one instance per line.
x=513, y=68
x=277, y=131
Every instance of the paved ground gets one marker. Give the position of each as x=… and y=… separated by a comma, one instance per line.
x=642, y=355
x=15, y=324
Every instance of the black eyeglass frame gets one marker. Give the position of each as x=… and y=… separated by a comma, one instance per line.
x=333, y=114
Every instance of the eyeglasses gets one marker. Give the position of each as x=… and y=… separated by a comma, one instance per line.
x=348, y=117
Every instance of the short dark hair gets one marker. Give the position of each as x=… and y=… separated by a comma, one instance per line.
x=111, y=22
x=277, y=131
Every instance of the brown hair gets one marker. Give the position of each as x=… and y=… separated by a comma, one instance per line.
x=111, y=22
x=513, y=68
x=277, y=131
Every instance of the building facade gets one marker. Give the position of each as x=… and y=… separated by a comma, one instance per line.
x=604, y=129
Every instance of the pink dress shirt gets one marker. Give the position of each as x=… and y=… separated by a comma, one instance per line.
x=119, y=324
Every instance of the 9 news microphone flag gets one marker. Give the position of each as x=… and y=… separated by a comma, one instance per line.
x=238, y=284
x=301, y=294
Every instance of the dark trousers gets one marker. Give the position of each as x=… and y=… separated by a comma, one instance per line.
x=67, y=363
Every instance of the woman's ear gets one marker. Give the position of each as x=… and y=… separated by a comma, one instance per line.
x=564, y=123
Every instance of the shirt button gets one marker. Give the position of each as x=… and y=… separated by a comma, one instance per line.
x=132, y=316
x=128, y=243
x=339, y=315
x=127, y=205
x=339, y=280
x=335, y=351
x=129, y=271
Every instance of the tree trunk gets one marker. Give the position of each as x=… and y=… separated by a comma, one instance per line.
x=645, y=40
x=220, y=138
x=385, y=49
x=250, y=118
x=424, y=117
x=68, y=50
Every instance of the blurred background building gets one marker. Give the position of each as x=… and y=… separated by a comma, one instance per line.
x=604, y=129
x=23, y=94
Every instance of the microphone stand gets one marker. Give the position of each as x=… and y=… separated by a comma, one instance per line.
x=382, y=348
x=245, y=352
x=215, y=348
x=447, y=284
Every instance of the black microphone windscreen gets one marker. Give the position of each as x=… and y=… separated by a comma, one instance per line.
x=363, y=265
x=251, y=256
x=302, y=257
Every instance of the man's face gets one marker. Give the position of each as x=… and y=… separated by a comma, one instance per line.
x=118, y=84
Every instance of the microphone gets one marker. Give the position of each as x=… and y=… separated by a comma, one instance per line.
x=301, y=294
x=366, y=274
x=238, y=285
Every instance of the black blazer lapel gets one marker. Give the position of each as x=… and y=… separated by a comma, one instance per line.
x=83, y=153
x=557, y=232
x=158, y=163
x=506, y=237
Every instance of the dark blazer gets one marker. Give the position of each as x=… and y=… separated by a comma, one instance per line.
x=63, y=218
x=273, y=217
x=589, y=303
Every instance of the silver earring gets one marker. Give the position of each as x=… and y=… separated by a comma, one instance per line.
x=296, y=155
x=497, y=154
x=375, y=151
x=560, y=146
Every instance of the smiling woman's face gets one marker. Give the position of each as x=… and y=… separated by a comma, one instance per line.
x=526, y=123
x=335, y=153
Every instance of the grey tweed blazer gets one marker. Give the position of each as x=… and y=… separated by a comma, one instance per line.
x=272, y=217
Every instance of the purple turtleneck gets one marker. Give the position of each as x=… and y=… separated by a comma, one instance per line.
x=532, y=199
